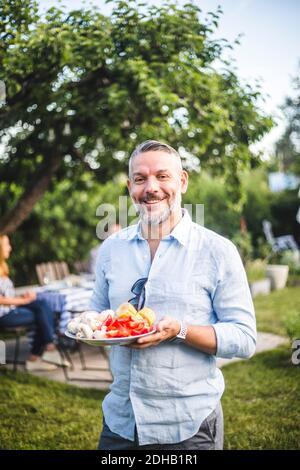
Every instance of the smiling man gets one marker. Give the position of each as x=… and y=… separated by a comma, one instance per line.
x=156, y=181
x=166, y=390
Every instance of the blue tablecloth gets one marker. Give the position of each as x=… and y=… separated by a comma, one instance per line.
x=68, y=302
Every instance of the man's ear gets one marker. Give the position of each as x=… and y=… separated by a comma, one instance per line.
x=184, y=181
x=128, y=185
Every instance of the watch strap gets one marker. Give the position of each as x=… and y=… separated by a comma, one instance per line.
x=182, y=332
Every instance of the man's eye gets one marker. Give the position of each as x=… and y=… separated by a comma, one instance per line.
x=138, y=180
x=162, y=177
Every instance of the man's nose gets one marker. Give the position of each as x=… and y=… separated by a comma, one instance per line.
x=152, y=185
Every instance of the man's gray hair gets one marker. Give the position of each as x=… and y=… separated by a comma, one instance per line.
x=153, y=145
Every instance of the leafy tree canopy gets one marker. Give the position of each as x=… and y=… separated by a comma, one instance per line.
x=82, y=89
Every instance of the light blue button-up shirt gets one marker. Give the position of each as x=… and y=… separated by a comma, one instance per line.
x=166, y=391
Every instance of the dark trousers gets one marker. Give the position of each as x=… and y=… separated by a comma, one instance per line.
x=209, y=437
x=37, y=313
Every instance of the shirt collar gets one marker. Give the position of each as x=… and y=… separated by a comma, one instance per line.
x=180, y=232
x=134, y=232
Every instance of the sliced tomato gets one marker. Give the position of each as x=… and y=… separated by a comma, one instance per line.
x=124, y=332
x=118, y=331
x=112, y=333
x=108, y=321
x=134, y=324
x=126, y=326
x=140, y=331
x=124, y=321
x=114, y=324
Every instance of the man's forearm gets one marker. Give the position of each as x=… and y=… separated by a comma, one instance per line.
x=199, y=337
x=202, y=337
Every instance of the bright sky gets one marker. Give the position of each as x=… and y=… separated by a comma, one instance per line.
x=269, y=49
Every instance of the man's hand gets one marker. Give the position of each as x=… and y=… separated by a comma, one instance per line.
x=166, y=329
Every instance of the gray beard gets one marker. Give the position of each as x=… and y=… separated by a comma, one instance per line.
x=154, y=220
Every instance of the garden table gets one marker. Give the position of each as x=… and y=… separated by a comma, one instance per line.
x=67, y=302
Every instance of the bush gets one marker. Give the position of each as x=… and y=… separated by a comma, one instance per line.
x=292, y=324
x=262, y=248
x=287, y=257
x=284, y=207
x=62, y=226
x=257, y=207
x=279, y=208
x=244, y=245
x=211, y=191
x=292, y=259
x=256, y=270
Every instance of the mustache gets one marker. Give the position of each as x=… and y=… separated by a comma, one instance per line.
x=152, y=198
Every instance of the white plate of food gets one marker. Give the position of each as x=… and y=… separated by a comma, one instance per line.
x=109, y=341
x=109, y=327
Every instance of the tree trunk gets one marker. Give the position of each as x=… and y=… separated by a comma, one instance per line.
x=32, y=194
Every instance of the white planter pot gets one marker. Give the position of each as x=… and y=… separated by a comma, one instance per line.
x=278, y=274
x=261, y=287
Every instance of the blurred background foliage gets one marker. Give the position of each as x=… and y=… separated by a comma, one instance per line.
x=63, y=224
x=83, y=89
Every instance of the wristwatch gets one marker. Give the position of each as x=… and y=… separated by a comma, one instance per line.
x=182, y=332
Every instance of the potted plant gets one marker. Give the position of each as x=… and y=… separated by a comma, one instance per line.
x=277, y=270
x=256, y=274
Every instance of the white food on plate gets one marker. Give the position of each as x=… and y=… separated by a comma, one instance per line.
x=89, y=315
x=73, y=326
x=105, y=313
x=89, y=324
x=99, y=334
x=93, y=323
x=85, y=331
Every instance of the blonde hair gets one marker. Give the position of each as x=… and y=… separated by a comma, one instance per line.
x=4, y=270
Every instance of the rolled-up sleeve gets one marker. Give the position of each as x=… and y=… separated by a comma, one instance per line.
x=232, y=303
x=99, y=300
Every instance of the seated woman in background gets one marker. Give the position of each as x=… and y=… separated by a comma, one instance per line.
x=27, y=310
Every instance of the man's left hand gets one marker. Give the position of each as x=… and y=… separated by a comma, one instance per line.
x=166, y=329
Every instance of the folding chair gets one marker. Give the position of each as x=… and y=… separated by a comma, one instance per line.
x=17, y=332
x=52, y=271
x=284, y=242
x=81, y=266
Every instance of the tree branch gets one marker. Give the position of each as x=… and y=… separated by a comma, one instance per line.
x=32, y=194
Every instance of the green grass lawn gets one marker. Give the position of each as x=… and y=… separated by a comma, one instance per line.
x=42, y=414
x=261, y=408
x=271, y=310
x=261, y=402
